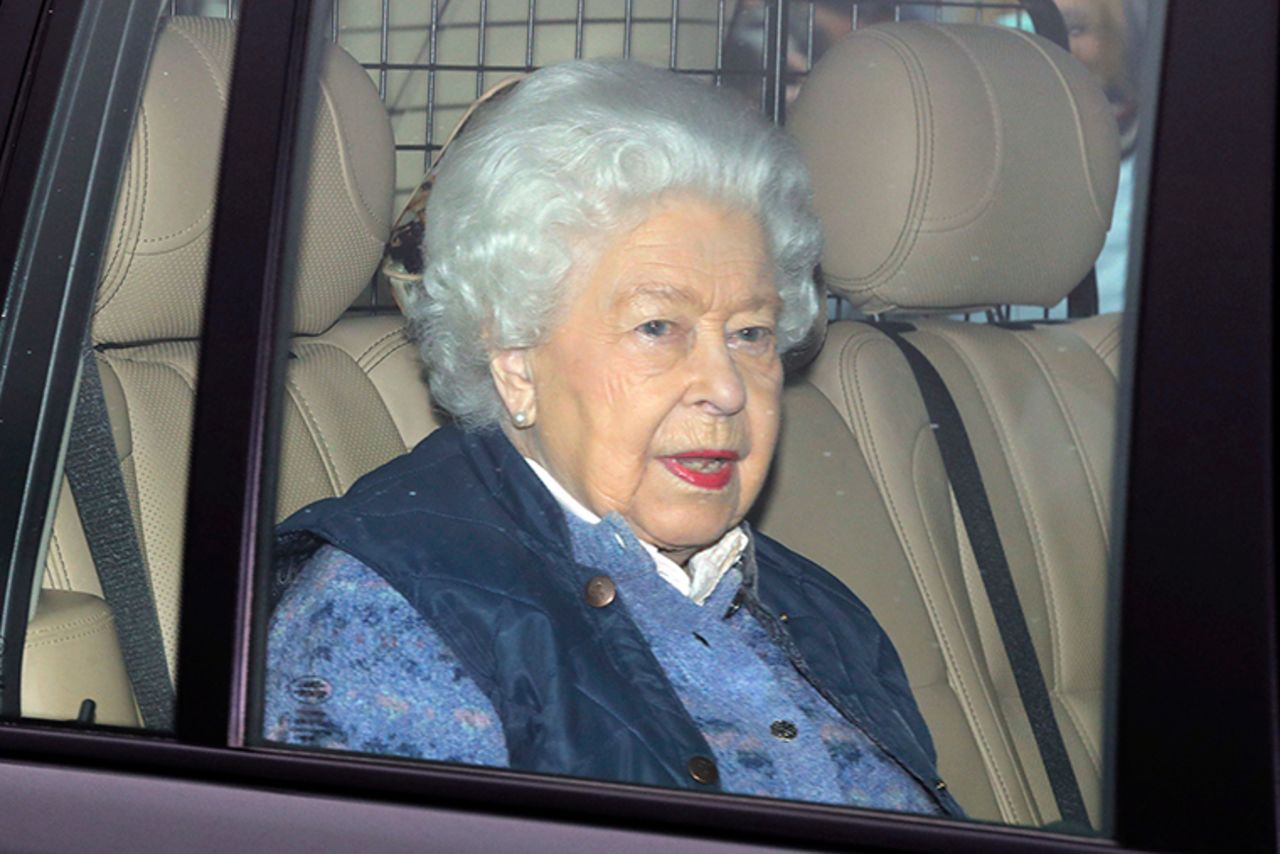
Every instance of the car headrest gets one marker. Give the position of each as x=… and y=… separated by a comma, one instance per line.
x=956, y=166
x=153, y=273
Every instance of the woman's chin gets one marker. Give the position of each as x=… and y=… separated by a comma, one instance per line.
x=684, y=533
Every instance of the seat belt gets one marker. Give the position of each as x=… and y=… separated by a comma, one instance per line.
x=993, y=566
x=93, y=471
x=1083, y=299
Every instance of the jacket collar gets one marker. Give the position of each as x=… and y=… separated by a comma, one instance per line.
x=513, y=485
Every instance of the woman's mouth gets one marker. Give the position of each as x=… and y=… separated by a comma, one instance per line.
x=706, y=469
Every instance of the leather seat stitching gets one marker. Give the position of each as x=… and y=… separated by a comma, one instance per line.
x=1082, y=452
x=222, y=96
x=1033, y=528
x=172, y=363
x=1106, y=346
x=1028, y=511
x=848, y=355
x=317, y=438
x=1082, y=148
x=55, y=641
x=145, y=141
x=1076, y=721
x=348, y=174
x=344, y=354
x=59, y=564
x=923, y=108
x=376, y=342
x=61, y=626
x=388, y=354
x=952, y=598
x=118, y=258
x=214, y=75
x=966, y=216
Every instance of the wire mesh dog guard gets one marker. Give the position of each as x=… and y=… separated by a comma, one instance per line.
x=430, y=59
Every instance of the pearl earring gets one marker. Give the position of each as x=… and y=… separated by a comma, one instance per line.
x=520, y=418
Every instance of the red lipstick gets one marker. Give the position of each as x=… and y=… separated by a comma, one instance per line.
x=706, y=469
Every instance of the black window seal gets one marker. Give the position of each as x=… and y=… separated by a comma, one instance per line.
x=22, y=28
x=247, y=313
x=90, y=89
x=1195, y=741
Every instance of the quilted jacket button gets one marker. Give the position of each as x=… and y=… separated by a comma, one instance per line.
x=703, y=770
x=601, y=591
x=783, y=730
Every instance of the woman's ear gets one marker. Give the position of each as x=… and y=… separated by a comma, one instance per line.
x=512, y=372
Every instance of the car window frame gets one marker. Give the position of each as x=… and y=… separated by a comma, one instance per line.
x=233, y=448
x=1205, y=221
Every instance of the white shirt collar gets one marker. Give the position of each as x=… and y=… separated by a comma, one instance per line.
x=705, y=569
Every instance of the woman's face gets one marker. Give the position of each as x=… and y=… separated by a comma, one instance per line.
x=657, y=395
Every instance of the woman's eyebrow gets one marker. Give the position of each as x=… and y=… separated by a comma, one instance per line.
x=658, y=291
x=667, y=293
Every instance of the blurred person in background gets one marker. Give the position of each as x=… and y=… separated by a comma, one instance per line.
x=832, y=20
x=1108, y=36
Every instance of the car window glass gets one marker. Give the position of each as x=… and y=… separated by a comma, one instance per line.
x=102, y=635
x=374, y=648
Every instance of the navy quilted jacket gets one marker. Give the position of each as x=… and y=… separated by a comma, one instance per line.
x=464, y=530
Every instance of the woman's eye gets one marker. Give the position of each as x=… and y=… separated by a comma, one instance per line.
x=655, y=328
x=754, y=335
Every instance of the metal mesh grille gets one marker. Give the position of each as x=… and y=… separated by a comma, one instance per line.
x=431, y=58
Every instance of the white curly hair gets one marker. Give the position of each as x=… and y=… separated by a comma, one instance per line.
x=578, y=151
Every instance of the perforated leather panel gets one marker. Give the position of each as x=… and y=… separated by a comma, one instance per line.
x=154, y=268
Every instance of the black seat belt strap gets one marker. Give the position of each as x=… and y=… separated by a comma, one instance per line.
x=93, y=471
x=993, y=566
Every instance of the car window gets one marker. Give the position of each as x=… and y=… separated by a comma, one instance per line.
x=389, y=632
x=102, y=629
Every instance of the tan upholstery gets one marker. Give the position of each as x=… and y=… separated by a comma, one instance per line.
x=1039, y=406
x=354, y=394
x=73, y=636
x=154, y=267
x=924, y=200
x=355, y=399
x=935, y=187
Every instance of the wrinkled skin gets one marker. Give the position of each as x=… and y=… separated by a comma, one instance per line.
x=666, y=346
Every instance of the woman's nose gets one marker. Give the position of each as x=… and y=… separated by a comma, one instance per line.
x=716, y=379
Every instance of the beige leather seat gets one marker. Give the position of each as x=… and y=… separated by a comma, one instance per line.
x=956, y=168
x=355, y=396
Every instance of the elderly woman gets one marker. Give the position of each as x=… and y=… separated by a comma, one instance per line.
x=562, y=580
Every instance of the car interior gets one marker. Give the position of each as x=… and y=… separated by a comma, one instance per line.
x=956, y=167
